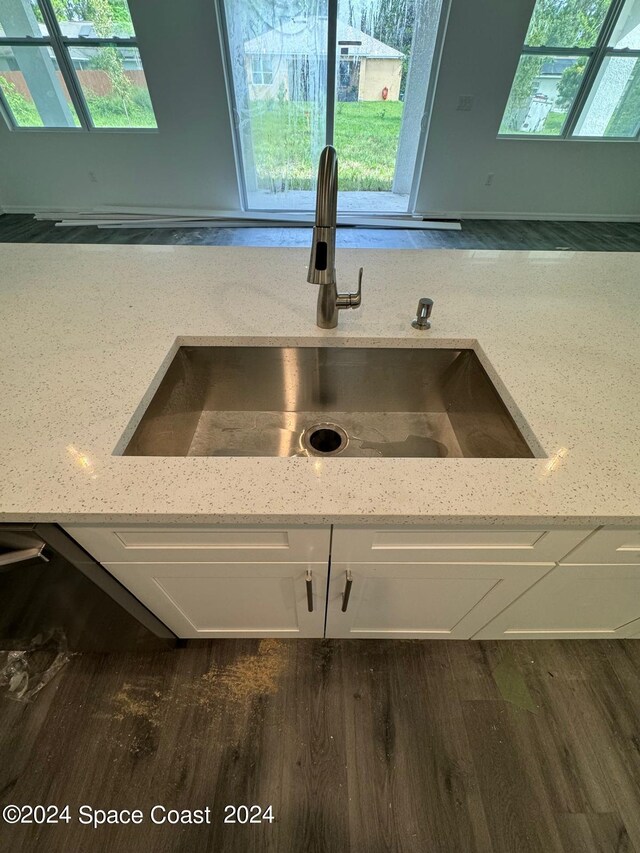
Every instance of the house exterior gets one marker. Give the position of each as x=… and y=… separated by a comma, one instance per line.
x=545, y=93
x=290, y=62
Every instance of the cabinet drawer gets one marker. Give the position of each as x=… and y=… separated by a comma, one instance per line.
x=609, y=545
x=147, y=542
x=202, y=600
x=579, y=602
x=430, y=545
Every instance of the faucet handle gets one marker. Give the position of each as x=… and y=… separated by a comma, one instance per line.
x=351, y=300
x=356, y=298
x=423, y=312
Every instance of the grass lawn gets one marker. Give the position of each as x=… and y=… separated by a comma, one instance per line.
x=554, y=123
x=110, y=112
x=366, y=138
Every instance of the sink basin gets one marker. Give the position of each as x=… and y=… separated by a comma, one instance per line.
x=326, y=401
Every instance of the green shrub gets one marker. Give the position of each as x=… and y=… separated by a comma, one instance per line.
x=24, y=111
x=112, y=111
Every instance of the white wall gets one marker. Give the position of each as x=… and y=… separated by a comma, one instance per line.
x=531, y=177
x=189, y=165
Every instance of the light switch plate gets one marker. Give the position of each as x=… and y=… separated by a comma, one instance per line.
x=465, y=103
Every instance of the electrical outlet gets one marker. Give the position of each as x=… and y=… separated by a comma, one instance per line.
x=490, y=178
x=465, y=103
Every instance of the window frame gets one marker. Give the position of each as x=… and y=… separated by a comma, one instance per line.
x=596, y=55
x=61, y=46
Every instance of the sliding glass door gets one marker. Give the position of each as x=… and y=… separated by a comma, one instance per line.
x=353, y=73
x=278, y=58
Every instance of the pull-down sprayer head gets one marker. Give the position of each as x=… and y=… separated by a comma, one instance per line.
x=323, y=247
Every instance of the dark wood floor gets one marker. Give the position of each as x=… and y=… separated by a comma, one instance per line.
x=475, y=234
x=359, y=746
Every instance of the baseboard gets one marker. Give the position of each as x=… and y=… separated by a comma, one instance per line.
x=533, y=217
x=70, y=213
x=107, y=210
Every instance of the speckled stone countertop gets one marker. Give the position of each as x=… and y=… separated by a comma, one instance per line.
x=87, y=330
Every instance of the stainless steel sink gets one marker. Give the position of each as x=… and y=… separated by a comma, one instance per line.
x=326, y=401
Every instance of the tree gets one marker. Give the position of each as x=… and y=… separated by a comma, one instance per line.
x=114, y=11
x=109, y=18
x=569, y=83
x=109, y=59
x=566, y=23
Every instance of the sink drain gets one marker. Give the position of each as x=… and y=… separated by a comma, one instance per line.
x=325, y=439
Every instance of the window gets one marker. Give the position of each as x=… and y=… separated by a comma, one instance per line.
x=579, y=72
x=71, y=64
x=351, y=73
x=262, y=70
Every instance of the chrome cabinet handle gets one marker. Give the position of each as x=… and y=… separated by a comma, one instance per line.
x=309, y=582
x=22, y=555
x=347, y=592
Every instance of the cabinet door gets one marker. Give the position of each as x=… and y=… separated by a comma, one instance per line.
x=422, y=600
x=574, y=602
x=230, y=599
x=454, y=545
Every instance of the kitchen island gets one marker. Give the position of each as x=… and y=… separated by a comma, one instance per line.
x=89, y=332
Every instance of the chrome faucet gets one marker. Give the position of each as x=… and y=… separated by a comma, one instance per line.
x=322, y=265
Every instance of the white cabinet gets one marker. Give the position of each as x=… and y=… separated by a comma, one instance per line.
x=574, y=601
x=201, y=543
x=455, y=545
x=406, y=582
x=222, y=580
x=422, y=600
x=593, y=593
x=412, y=582
x=609, y=545
x=230, y=599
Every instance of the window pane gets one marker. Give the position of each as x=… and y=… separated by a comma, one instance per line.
x=279, y=64
x=114, y=86
x=261, y=71
x=21, y=18
x=103, y=19
x=627, y=29
x=566, y=23
x=543, y=91
x=384, y=57
x=368, y=105
x=34, y=88
x=613, y=107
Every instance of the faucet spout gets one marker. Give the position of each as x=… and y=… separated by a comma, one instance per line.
x=322, y=263
x=323, y=248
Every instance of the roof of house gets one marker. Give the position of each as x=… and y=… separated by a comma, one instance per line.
x=300, y=37
x=556, y=65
